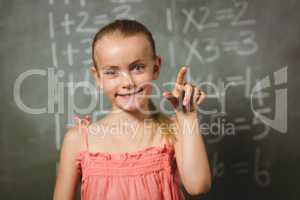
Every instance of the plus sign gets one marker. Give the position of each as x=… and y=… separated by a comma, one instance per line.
x=66, y=23
x=70, y=52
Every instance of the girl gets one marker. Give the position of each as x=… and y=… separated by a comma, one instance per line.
x=145, y=163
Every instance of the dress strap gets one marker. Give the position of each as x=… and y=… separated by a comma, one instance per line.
x=83, y=128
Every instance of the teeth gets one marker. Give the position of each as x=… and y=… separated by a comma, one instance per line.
x=130, y=94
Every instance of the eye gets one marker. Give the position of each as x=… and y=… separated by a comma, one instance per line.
x=109, y=72
x=138, y=67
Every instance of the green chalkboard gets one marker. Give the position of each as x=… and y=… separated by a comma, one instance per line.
x=244, y=54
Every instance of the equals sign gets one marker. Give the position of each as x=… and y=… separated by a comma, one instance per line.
x=101, y=19
x=241, y=127
x=230, y=45
x=241, y=167
x=224, y=14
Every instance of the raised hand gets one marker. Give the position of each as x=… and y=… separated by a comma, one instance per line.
x=184, y=97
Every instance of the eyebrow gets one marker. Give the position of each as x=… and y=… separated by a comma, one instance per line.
x=117, y=67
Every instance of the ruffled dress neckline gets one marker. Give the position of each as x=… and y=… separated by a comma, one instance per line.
x=146, y=152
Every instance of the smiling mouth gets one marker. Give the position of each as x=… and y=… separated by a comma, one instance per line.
x=129, y=94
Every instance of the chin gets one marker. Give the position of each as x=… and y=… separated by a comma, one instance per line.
x=132, y=106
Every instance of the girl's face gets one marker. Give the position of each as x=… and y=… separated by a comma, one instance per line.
x=126, y=68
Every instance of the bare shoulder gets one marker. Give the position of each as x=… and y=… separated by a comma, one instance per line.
x=171, y=125
x=173, y=118
x=72, y=139
x=174, y=122
x=72, y=135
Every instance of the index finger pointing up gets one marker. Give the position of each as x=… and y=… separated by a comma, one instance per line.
x=181, y=74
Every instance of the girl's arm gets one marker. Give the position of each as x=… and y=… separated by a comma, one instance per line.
x=190, y=150
x=68, y=176
x=191, y=155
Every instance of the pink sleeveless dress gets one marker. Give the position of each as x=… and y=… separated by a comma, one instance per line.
x=148, y=174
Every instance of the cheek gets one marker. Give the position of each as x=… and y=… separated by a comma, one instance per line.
x=145, y=82
x=110, y=87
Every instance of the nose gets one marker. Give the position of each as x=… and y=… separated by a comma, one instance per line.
x=127, y=81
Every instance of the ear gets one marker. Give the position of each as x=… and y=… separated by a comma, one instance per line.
x=156, y=67
x=97, y=77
